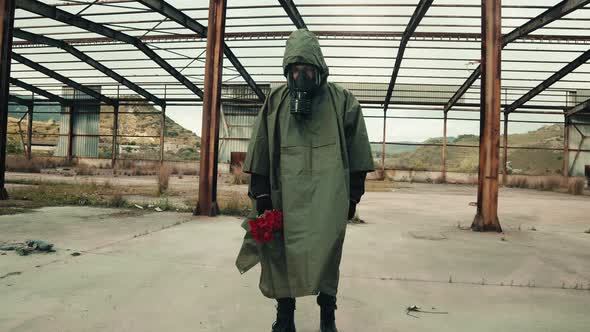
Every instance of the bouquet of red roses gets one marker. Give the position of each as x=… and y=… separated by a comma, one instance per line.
x=264, y=227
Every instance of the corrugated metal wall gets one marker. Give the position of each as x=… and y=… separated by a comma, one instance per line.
x=579, y=128
x=86, y=122
x=579, y=140
x=237, y=120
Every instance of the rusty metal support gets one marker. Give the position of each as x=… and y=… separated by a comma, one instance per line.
x=383, y=145
x=505, y=151
x=6, y=28
x=71, y=120
x=115, y=135
x=207, y=204
x=444, y=150
x=30, y=130
x=566, y=146
x=486, y=218
x=162, y=133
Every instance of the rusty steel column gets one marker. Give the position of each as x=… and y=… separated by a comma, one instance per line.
x=383, y=145
x=6, y=28
x=115, y=134
x=444, y=150
x=207, y=204
x=30, y=131
x=71, y=133
x=505, y=150
x=486, y=218
x=566, y=147
x=162, y=133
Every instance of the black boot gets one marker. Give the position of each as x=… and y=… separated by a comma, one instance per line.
x=327, y=306
x=285, y=316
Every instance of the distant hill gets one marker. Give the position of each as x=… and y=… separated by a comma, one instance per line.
x=464, y=159
x=392, y=149
x=132, y=122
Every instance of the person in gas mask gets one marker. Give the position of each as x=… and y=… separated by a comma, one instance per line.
x=308, y=158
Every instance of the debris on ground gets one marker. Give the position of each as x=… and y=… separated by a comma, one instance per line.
x=414, y=308
x=10, y=274
x=75, y=254
x=139, y=206
x=28, y=247
x=158, y=209
x=356, y=220
x=472, y=203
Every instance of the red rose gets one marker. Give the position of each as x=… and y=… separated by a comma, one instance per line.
x=262, y=229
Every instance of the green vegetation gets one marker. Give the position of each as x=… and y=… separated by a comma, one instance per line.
x=39, y=194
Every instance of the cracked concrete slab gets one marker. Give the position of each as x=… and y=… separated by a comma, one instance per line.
x=173, y=272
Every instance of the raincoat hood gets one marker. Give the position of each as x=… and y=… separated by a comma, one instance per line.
x=303, y=47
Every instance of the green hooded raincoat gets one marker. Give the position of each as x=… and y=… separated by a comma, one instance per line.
x=308, y=162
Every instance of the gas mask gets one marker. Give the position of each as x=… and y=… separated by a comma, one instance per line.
x=302, y=90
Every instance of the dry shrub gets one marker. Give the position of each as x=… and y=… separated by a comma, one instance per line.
x=35, y=165
x=238, y=176
x=163, y=178
x=234, y=204
x=84, y=169
x=131, y=168
x=517, y=181
x=576, y=186
x=190, y=171
x=549, y=183
x=118, y=201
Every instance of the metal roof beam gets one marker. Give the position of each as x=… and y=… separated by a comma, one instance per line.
x=38, y=39
x=579, y=108
x=549, y=81
x=48, y=72
x=186, y=21
x=291, y=10
x=554, y=13
x=50, y=96
x=57, y=14
x=419, y=13
x=20, y=101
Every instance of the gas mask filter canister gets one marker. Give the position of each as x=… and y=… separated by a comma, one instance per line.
x=302, y=90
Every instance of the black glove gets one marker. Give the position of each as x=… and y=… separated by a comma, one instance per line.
x=351, y=210
x=263, y=203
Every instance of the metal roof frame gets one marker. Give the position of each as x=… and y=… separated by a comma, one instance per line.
x=577, y=62
x=179, y=17
x=180, y=27
x=56, y=76
x=418, y=15
x=39, y=39
x=55, y=13
x=554, y=13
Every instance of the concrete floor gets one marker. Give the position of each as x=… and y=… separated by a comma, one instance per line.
x=173, y=272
